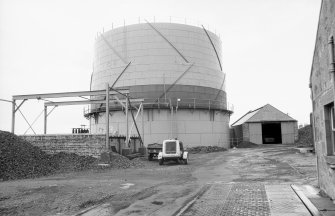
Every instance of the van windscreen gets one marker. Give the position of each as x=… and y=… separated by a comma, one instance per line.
x=170, y=147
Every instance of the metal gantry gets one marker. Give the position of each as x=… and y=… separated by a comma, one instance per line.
x=108, y=92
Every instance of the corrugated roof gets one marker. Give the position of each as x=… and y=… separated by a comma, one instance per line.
x=263, y=114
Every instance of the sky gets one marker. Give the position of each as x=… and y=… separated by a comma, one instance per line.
x=47, y=46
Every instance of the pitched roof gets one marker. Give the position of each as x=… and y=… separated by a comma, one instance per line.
x=263, y=114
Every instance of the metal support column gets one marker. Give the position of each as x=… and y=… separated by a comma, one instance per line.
x=142, y=124
x=107, y=116
x=13, y=116
x=127, y=107
x=45, y=119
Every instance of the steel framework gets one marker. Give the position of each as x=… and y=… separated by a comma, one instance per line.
x=107, y=93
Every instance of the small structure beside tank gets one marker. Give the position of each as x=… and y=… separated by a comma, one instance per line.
x=153, y=150
x=265, y=125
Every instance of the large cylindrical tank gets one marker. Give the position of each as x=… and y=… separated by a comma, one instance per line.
x=176, y=69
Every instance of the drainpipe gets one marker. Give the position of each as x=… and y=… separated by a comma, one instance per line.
x=332, y=60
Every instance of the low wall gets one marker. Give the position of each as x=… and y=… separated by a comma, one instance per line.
x=81, y=144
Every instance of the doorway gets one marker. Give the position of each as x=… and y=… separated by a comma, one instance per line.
x=271, y=133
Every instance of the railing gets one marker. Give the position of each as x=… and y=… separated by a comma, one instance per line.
x=162, y=103
x=159, y=19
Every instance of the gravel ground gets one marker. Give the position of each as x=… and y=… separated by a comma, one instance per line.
x=150, y=189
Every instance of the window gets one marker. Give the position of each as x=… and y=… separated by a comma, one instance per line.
x=332, y=119
x=330, y=129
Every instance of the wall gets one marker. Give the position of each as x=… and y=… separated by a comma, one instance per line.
x=289, y=132
x=155, y=64
x=252, y=132
x=255, y=133
x=193, y=127
x=81, y=144
x=322, y=94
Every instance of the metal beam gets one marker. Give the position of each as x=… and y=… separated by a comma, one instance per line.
x=134, y=121
x=34, y=121
x=216, y=53
x=127, y=107
x=118, y=100
x=132, y=125
x=158, y=32
x=45, y=119
x=217, y=95
x=13, y=115
x=46, y=114
x=69, y=94
x=107, y=117
x=27, y=122
x=6, y=100
x=66, y=103
x=17, y=108
x=142, y=124
x=174, y=83
x=120, y=74
x=112, y=48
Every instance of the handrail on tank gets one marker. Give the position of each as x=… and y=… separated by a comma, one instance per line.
x=180, y=103
x=159, y=19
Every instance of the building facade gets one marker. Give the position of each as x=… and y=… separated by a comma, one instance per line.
x=322, y=95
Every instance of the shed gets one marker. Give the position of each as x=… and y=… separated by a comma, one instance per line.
x=266, y=125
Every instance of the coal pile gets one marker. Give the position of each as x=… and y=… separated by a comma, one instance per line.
x=19, y=159
x=205, y=149
x=121, y=162
x=305, y=136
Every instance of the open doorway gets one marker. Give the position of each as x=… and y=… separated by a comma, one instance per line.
x=271, y=133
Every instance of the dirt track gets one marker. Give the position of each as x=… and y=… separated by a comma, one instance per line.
x=153, y=189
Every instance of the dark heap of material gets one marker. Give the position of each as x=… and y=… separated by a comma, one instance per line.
x=19, y=159
x=205, y=149
x=305, y=136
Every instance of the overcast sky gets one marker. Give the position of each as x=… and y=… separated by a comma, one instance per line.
x=47, y=46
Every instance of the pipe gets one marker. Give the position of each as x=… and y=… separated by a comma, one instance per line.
x=107, y=116
x=127, y=104
x=142, y=125
x=13, y=116
x=45, y=119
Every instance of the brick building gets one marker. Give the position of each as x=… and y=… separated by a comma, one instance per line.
x=322, y=94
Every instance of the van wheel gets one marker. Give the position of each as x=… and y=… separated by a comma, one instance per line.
x=160, y=161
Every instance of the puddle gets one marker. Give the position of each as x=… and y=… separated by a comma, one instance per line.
x=126, y=185
x=157, y=202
